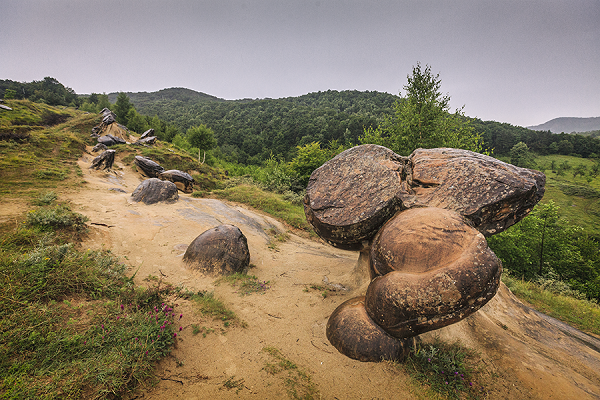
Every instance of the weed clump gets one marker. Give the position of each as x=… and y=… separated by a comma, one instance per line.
x=58, y=217
x=245, y=284
x=449, y=369
x=298, y=383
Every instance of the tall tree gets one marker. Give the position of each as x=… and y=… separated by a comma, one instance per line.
x=122, y=107
x=422, y=118
x=521, y=156
x=201, y=137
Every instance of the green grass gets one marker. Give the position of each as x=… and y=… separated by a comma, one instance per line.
x=581, y=314
x=73, y=325
x=209, y=305
x=271, y=203
x=451, y=370
x=46, y=158
x=577, y=197
x=298, y=383
x=245, y=284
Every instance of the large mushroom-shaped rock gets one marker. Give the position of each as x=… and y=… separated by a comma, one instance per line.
x=492, y=194
x=420, y=221
x=154, y=190
x=106, y=158
x=182, y=180
x=349, y=197
x=148, y=167
x=432, y=269
x=219, y=251
x=353, y=333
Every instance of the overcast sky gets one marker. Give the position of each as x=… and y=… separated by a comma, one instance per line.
x=523, y=62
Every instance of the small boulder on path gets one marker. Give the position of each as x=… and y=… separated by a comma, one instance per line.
x=219, y=251
x=154, y=190
x=182, y=180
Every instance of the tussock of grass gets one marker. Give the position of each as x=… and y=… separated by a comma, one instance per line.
x=581, y=314
x=448, y=369
x=270, y=203
x=245, y=284
x=211, y=306
x=298, y=383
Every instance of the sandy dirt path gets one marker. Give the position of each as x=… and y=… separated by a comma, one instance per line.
x=528, y=355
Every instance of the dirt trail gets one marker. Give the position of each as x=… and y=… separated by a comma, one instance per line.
x=529, y=356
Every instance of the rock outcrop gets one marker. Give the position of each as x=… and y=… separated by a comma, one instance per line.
x=182, y=180
x=148, y=167
x=219, y=251
x=105, y=160
x=420, y=222
x=109, y=128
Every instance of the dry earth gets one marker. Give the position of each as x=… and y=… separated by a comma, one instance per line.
x=526, y=355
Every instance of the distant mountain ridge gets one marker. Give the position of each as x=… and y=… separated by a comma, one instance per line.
x=569, y=125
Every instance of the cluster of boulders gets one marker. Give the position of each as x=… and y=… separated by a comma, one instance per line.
x=182, y=180
x=110, y=133
x=420, y=223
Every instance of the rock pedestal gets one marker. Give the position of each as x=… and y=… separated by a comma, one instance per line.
x=420, y=221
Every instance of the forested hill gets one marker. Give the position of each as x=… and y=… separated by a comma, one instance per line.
x=141, y=99
x=569, y=125
x=249, y=131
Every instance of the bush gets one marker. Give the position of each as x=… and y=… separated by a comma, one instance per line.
x=57, y=217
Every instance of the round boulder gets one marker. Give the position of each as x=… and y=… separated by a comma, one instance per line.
x=432, y=269
x=354, y=334
x=154, y=190
x=349, y=197
x=219, y=251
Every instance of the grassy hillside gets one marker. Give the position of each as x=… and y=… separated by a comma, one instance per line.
x=39, y=147
x=578, y=197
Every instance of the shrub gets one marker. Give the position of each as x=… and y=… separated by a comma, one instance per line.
x=57, y=217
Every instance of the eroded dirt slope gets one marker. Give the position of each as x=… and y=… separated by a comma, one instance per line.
x=527, y=354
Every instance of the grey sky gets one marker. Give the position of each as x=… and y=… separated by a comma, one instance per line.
x=522, y=62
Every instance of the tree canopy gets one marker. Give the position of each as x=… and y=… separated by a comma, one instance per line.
x=422, y=119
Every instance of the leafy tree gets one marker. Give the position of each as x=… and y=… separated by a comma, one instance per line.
x=103, y=102
x=135, y=122
x=521, y=156
x=10, y=94
x=311, y=157
x=122, y=107
x=201, y=137
x=170, y=132
x=544, y=244
x=422, y=119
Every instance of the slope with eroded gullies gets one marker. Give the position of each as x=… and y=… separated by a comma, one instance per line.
x=525, y=354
